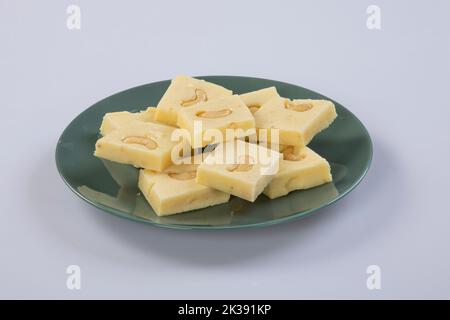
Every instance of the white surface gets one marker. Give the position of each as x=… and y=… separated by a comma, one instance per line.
x=396, y=80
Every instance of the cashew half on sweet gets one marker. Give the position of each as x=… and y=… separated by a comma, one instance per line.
x=288, y=154
x=147, y=142
x=199, y=96
x=214, y=114
x=298, y=106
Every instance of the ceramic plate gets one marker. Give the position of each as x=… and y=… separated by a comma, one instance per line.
x=112, y=187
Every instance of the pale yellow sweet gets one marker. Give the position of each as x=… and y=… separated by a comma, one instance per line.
x=239, y=168
x=144, y=145
x=148, y=115
x=255, y=99
x=298, y=121
x=184, y=92
x=115, y=120
x=221, y=216
x=207, y=123
x=299, y=169
x=175, y=190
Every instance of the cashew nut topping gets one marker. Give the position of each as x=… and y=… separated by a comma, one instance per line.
x=254, y=108
x=288, y=154
x=199, y=96
x=183, y=175
x=232, y=125
x=247, y=165
x=147, y=142
x=298, y=106
x=214, y=114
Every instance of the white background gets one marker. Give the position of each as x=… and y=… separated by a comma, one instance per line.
x=396, y=80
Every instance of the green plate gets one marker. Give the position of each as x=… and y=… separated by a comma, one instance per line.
x=112, y=187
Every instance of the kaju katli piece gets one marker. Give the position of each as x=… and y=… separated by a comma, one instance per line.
x=184, y=92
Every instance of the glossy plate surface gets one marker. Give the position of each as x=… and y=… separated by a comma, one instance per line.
x=112, y=187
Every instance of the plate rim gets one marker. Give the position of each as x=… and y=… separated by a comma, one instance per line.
x=298, y=215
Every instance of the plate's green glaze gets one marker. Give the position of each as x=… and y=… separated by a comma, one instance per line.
x=112, y=187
